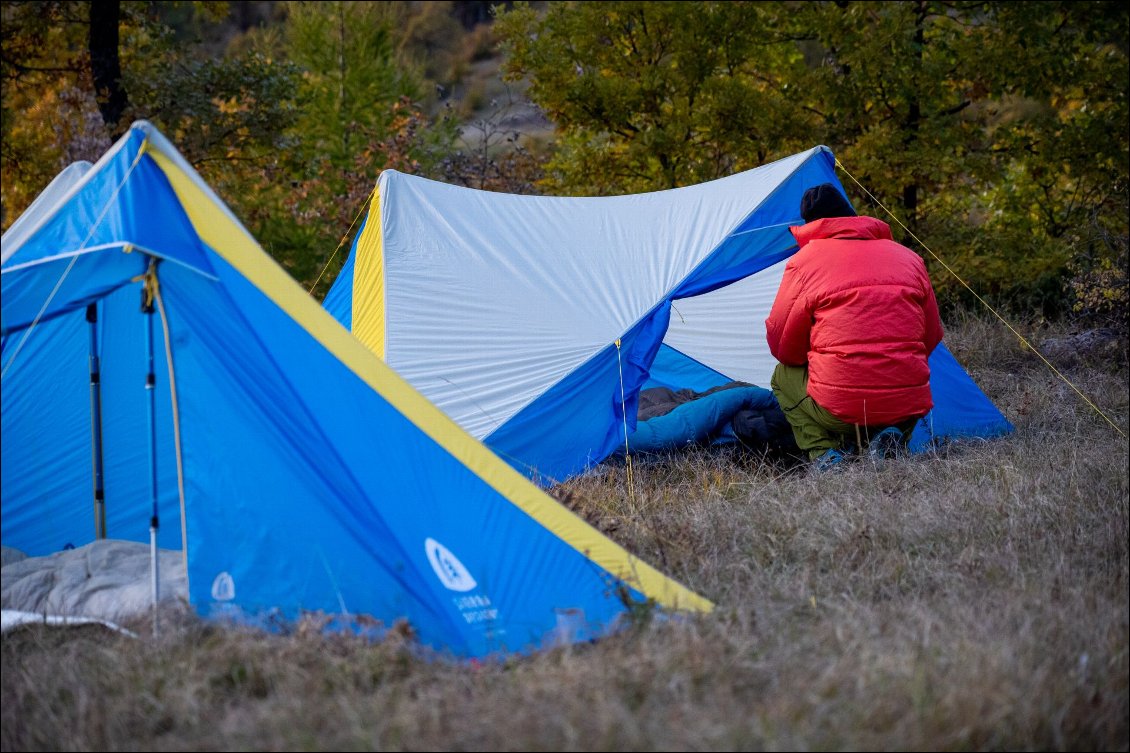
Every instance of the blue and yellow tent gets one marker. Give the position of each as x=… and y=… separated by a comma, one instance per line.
x=159, y=367
x=535, y=321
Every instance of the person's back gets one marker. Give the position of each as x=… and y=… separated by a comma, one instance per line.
x=868, y=304
x=853, y=325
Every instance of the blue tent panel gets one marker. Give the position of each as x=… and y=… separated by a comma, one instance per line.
x=961, y=409
x=314, y=478
x=676, y=370
x=367, y=536
x=592, y=410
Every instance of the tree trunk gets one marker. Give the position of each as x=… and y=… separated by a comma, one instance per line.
x=105, y=65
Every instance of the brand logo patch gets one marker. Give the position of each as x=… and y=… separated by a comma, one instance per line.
x=447, y=566
x=223, y=587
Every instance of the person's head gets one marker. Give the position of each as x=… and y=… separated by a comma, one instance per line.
x=824, y=200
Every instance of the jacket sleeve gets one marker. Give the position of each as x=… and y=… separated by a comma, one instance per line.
x=934, y=329
x=790, y=323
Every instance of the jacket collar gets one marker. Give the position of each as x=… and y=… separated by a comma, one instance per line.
x=842, y=228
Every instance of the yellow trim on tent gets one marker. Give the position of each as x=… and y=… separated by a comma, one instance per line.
x=228, y=239
x=369, y=282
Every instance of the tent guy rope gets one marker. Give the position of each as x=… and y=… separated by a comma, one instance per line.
x=958, y=277
x=344, y=238
x=74, y=257
x=160, y=301
x=624, y=414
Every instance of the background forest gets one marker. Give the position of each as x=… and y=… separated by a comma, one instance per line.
x=992, y=135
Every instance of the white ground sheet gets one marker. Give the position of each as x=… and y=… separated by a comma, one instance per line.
x=106, y=580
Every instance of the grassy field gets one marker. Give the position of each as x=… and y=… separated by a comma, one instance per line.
x=972, y=599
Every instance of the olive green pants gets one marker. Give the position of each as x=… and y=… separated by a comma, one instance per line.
x=815, y=429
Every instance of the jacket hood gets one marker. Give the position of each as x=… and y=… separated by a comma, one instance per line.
x=842, y=228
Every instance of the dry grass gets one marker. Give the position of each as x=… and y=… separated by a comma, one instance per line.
x=971, y=599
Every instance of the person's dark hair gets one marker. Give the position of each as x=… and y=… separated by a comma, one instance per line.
x=824, y=200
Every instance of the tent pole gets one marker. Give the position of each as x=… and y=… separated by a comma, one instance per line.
x=96, y=424
x=150, y=389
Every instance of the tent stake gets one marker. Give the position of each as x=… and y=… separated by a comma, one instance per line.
x=96, y=424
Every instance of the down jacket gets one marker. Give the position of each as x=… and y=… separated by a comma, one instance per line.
x=859, y=310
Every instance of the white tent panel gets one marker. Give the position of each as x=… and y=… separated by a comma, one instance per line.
x=726, y=328
x=45, y=203
x=493, y=298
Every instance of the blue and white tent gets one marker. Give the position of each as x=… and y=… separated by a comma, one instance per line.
x=535, y=321
x=158, y=364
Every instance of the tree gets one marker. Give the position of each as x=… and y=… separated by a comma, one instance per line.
x=289, y=124
x=75, y=74
x=651, y=95
x=105, y=65
x=968, y=121
x=49, y=114
x=994, y=131
x=356, y=111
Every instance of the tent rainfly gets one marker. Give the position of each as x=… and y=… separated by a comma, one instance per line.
x=535, y=321
x=161, y=370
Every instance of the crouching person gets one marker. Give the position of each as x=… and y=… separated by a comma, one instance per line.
x=853, y=326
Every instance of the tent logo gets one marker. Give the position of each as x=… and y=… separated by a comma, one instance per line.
x=448, y=568
x=223, y=587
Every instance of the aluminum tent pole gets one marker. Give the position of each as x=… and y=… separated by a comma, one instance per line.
x=96, y=424
x=150, y=388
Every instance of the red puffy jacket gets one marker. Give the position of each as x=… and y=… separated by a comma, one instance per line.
x=859, y=310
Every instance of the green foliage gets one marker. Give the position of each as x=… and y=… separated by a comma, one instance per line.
x=49, y=116
x=433, y=40
x=990, y=131
x=290, y=123
x=993, y=135
x=1099, y=289
x=234, y=116
x=651, y=95
x=228, y=115
x=357, y=116
x=228, y=110
x=350, y=78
